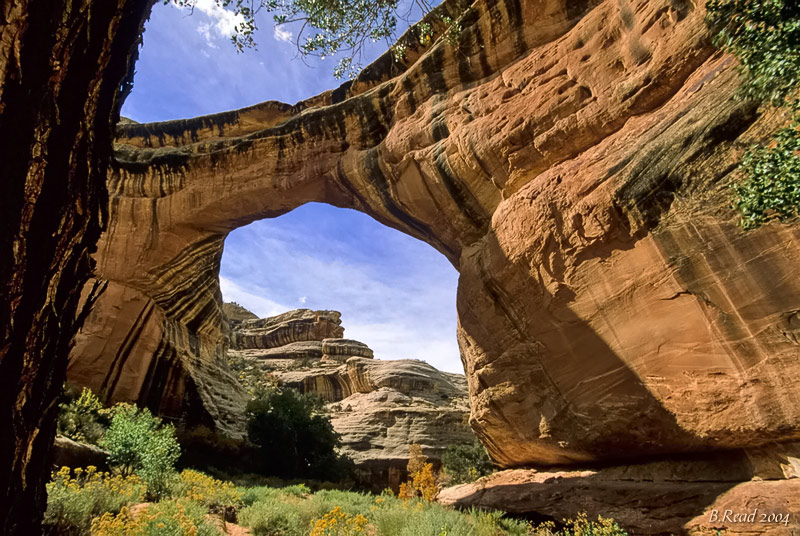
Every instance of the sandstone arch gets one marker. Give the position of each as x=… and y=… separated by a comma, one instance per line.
x=570, y=160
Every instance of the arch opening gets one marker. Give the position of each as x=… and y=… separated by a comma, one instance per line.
x=396, y=293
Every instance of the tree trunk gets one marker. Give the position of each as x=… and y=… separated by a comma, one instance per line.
x=65, y=66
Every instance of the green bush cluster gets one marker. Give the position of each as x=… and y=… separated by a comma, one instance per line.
x=137, y=442
x=466, y=463
x=295, y=439
x=765, y=36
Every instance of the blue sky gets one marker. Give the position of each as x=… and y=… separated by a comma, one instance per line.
x=396, y=294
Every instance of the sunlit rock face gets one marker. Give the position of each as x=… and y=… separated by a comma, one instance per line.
x=378, y=407
x=570, y=158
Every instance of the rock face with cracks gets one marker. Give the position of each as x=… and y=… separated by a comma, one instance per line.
x=571, y=159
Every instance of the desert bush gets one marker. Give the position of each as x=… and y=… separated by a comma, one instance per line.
x=167, y=518
x=581, y=525
x=82, y=417
x=272, y=518
x=75, y=497
x=137, y=442
x=295, y=440
x=422, y=481
x=466, y=463
x=337, y=522
x=208, y=491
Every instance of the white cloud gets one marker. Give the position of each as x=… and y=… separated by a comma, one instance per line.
x=261, y=306
x=302, y=299
x=222, y=23
x=281, y=34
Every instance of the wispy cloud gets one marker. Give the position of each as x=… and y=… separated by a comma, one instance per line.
x=395, y=293
x=282, y=34
x=256, y=303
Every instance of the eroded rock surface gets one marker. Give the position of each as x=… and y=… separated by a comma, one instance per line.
x=571, y=159
x=381, y=407
x=378, y=407
x=671, y=496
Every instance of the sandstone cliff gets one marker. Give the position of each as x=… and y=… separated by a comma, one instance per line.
x=570, y=158
x=378, y=407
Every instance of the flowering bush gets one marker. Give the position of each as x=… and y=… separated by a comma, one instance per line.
x=168, y=518
x=422, y=481
x=208, y=491
x=83, y=418
x=75, y=497
x=337, y=522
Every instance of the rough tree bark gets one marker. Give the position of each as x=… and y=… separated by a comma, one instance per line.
x=65, y=66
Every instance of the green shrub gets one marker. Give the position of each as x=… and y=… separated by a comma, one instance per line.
x=82, y=417
x=272, y=518
x=765, y=36
x=581, y=525
x=772, y=189
x=466, y=463
x=158, y=461
x=137, y=442
x=295, y=440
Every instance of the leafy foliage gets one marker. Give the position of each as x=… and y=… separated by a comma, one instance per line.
x=773, y=188
x=137, y=442
x=82, y=417
x=765, y=36
x=339, y=27
x=295, y=439
x=466, y=463
x=581, y=525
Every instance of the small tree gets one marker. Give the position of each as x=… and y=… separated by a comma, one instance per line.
x=295, y=440
x=422, y=481
x=138, y=443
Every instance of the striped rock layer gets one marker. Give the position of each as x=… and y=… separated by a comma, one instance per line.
x=571, y=158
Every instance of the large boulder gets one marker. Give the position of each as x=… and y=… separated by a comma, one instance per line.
x=69, y=453
x=737, y=492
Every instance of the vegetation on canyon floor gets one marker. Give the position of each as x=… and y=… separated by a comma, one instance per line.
x=102, y=504
x=765, y=36
x=144, y=494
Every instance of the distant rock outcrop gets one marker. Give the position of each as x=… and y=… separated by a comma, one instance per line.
x=378, y=407
x=299, y=325
x=236, y=313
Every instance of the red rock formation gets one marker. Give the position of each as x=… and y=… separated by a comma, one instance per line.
x=571, y=159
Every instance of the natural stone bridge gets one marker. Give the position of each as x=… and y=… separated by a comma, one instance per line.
x=570, y=158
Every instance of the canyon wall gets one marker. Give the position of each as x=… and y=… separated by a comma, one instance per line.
x=571, y=158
